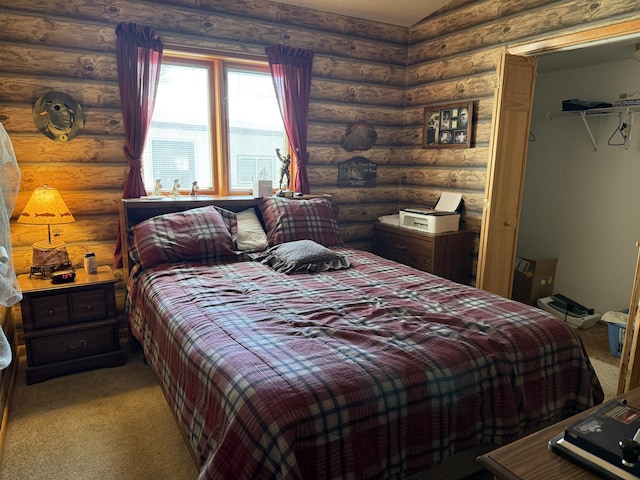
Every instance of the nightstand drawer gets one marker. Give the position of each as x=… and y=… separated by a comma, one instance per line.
x=404, y=249
x=71, y=345
x=89, y=305
x=50, y=311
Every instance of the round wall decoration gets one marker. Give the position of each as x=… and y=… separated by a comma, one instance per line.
x=58, y=116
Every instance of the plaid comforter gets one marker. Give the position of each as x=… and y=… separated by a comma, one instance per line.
x=376, y=371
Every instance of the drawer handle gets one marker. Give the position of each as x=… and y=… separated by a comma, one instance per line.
x=50, y=312
x=401, y=247
x=89, y=306
x=73, y=347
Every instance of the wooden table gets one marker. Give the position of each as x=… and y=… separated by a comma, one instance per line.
x=530, y=459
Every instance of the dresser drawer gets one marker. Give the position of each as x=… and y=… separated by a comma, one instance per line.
x=71, y=345
x=89, y=305
x=447, y=255
x=50, y=311
x=404, y=249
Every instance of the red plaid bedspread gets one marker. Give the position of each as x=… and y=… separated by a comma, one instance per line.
x=376, y=371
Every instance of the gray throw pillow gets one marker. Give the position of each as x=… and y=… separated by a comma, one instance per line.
x=302, y=256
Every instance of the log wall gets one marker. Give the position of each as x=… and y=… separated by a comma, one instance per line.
x=452, y=57
x=363, y=71
x=359, y=74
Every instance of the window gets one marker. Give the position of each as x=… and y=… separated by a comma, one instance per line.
x=216, y=121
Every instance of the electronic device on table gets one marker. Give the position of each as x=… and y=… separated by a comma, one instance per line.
x=605, y=442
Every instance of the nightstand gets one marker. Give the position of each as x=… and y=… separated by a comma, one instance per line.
x=447, y=255
x=70, y=327
x=530, y=458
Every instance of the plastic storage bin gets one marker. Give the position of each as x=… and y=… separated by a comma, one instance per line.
x=617, y=328
x=616, y=337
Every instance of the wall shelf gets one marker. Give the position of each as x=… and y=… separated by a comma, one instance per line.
x=629, y=111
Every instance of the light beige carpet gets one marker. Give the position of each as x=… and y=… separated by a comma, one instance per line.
x=608, y=376
x=106, y=424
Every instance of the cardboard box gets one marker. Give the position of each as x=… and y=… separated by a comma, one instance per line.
x=533, y=279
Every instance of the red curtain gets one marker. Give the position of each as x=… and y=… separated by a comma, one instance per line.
x=139, y=57
x=291, y=71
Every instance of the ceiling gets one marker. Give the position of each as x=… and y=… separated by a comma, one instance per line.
x=404, y=13
x=409, y=12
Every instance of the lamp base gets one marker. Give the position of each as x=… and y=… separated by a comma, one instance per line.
x=48, y=257
x=48, y=271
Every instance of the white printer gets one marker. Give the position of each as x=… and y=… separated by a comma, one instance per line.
x=442, y=218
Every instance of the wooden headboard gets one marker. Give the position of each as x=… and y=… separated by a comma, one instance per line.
x=136, y=210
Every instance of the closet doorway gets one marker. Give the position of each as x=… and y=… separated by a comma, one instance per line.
x=493, y=274
x=580, y=191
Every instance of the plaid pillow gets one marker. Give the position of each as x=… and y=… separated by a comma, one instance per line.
x=199, y=235
x=287, y=220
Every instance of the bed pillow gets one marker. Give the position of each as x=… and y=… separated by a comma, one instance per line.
x=251, y=235
x=288, y=220
x=302, y=256
x=202, y=235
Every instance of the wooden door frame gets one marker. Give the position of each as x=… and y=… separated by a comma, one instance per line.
x=580, y=39
x=586, y=37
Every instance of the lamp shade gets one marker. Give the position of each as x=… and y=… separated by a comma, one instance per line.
x=45, y=207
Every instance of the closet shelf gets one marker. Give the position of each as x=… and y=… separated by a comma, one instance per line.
x=628, y=110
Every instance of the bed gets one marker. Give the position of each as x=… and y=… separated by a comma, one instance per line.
x=285, y=354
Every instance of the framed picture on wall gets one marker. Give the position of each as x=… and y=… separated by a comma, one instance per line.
x=447, y=126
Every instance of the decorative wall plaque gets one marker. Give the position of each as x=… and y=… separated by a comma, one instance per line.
x=58, y=116
x=357, y=172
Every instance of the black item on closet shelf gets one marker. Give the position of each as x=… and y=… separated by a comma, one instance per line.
x=575, y=104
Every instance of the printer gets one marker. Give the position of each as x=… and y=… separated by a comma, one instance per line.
x=440, y=219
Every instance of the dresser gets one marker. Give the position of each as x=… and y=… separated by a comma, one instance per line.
x=70, y=327
x=447, y=255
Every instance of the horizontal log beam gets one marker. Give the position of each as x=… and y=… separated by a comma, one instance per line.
x=82, y=149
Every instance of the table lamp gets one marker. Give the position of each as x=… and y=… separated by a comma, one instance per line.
x=46, y=207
